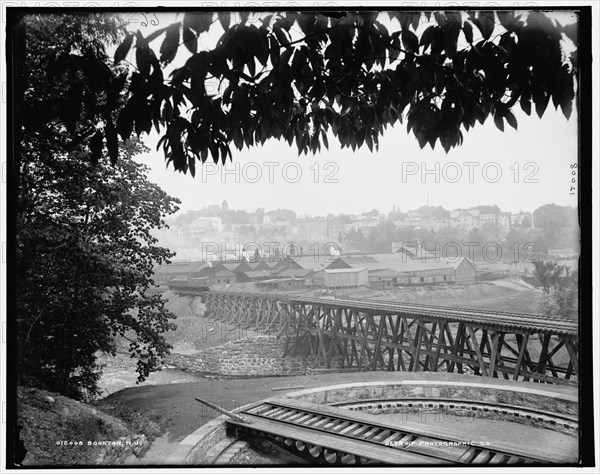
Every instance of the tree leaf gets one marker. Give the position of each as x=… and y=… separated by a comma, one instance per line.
x=285, y=58
x=454, y=17
x=192, y=165
x=395, y=49
x=281, y=35
x=410, y=41
x=427, y=37
x=214, y=151
x=525, y=104
x=178, y=76
x=468, y=30
x=511, y=119
x=507, y=19
x=499, y=121
x=451, y=38
x=200, y=22
x=224, y=18
x=155, y=34
x=123, y=49
x=190, y=40
x=95, y=144
x=169, y=47
x=485, y=22
x=440, y=18
x=256, y=43
x=125, y=122
x=112, y=142
x=143, y=55
x=306, y=22
x=567, y=107
x=275, y=50
x=541, y=100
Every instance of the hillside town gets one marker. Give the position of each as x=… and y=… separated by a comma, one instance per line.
x=278, y=250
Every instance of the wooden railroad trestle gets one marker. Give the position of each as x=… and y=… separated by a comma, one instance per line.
x=396, y=337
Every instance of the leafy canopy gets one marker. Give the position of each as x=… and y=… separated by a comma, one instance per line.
x=299, y=75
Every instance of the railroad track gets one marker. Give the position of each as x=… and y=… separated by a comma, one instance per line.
x=466, y=309
x=546, y=419
x=457, y=314
x=223, y=451
x=328, y=435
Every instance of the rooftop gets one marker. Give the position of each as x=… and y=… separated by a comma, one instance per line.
x=345, y=270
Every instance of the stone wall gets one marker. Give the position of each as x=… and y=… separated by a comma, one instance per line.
x=248, y=357
x=495, y=391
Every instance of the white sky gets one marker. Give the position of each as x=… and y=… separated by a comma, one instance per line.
x=541, y=152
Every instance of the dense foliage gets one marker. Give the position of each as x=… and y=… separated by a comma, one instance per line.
x=85, y=254
x=298, y=76
x=561, y=288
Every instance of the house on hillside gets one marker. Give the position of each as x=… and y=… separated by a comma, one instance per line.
x=503, y=224
x=312, y=228
x=203, y=226
x=465, y=219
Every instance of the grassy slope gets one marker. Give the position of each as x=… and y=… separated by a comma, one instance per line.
x=47, y=418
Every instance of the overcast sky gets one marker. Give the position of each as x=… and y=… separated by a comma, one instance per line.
x=515, y=170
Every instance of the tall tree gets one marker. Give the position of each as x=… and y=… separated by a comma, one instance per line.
x=299, y=75
x=85, y=266
x=85, y=255
x=548, y=274
x=561, y=290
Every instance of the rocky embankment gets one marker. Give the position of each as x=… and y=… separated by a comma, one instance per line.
x=59, y=431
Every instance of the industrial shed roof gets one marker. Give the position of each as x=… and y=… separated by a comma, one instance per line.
x=345, y=270
x=256, y=274
x=294, y=272
x=181, y=267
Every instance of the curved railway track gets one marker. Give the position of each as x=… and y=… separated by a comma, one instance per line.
x=328, y=435
x=556, y=421
x=223, y=451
